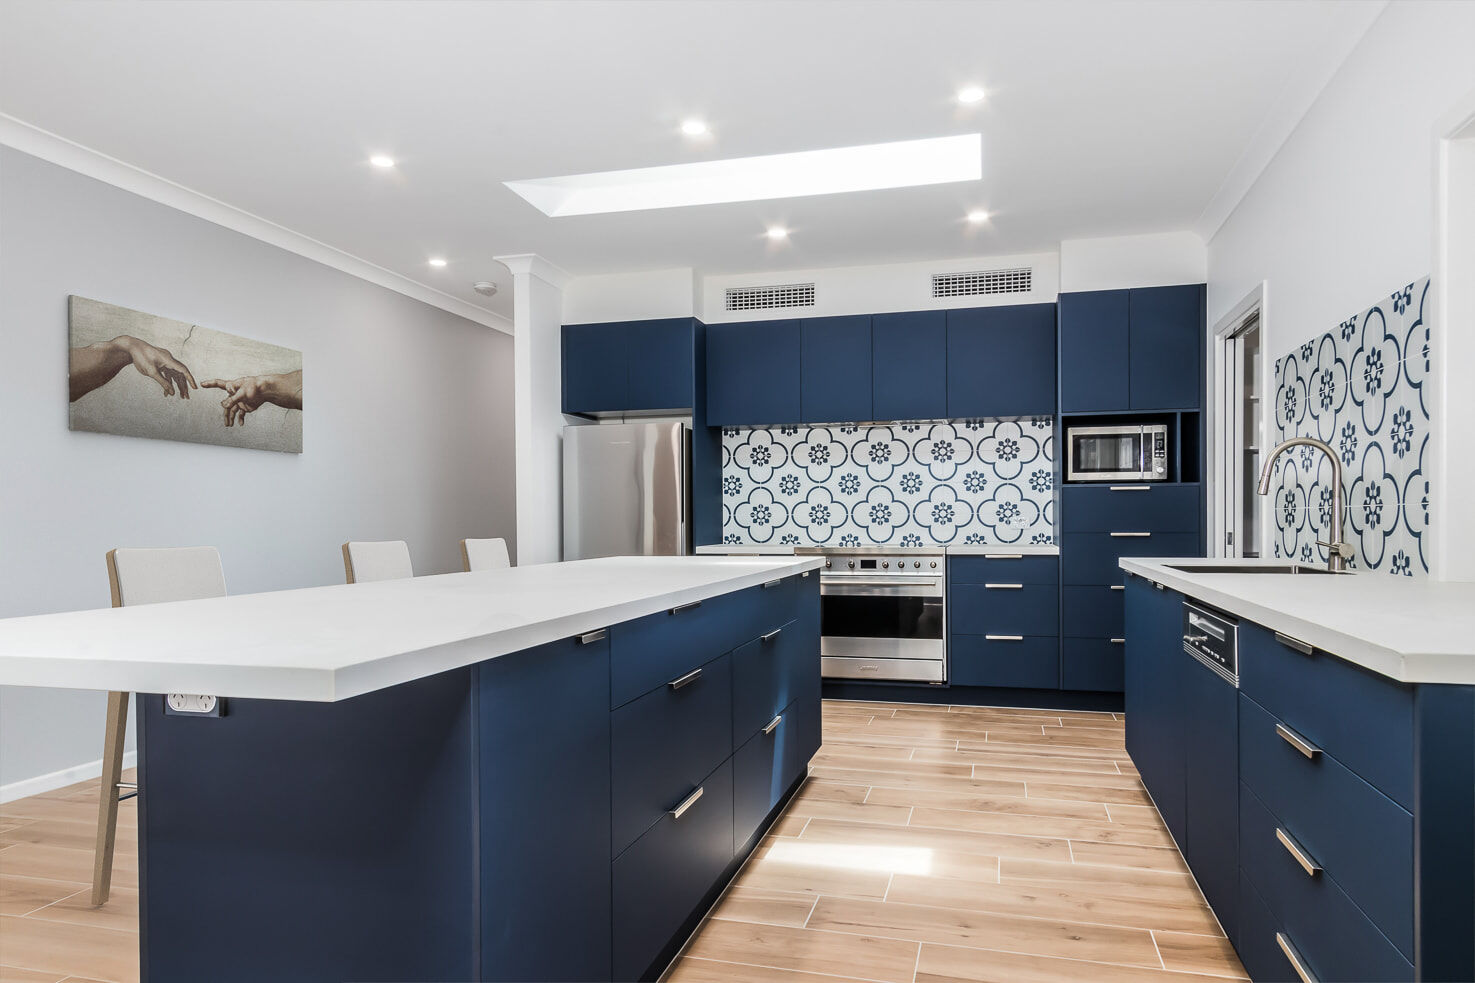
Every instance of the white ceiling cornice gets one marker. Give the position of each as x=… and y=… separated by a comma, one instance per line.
x=22, y=136
x=1321, y=63
x=535, y=265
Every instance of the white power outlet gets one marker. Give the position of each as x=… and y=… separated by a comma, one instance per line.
x=192, y=703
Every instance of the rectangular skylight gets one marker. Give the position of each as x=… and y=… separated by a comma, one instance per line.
x=904, y=164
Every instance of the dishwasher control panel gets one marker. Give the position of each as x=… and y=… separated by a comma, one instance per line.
x=1212, y=638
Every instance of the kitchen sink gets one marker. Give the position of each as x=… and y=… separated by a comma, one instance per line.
x=1281, y=569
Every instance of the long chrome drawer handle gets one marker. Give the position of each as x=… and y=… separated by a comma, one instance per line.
x=771, y=635
x=594, y=636
x=772, y=583
x=1003, y=638
x=686, y=607
x=686, y=804
x=1117, y=587
x=1305, y=648
x=689, y=678
x=1297, y=963
x=1129, y=535
x=1129, y=488
x=1118, y=641
x=1294, y=849
x=1003, y=556
x=1004, y=586
x=773, y=724
x=1298, y=742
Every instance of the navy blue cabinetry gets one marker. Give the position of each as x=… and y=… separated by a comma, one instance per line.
x=836, y=376
x=1003, y=621
x=1154, y=671
x=1001, y=361
x=753, y=373
x=595, y=368
x=1165, y=347
x=660, y=369
x=1093, y=351
x=1211, y=787
x=909, y=366
x=629, y=366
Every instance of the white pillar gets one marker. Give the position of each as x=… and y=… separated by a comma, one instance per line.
x=537, y=314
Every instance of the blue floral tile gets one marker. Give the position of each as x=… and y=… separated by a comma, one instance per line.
x=906, y=484
x=1361, y=389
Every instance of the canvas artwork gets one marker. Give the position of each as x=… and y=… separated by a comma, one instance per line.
x=140, y=375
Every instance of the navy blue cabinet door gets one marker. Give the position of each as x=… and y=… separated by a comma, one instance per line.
x=1155, y=663
x=660, y=364
x=1093, y=351
x=753, y=373
x=1166, y=342
x=1001, y=361
x=594, y=368
x=1211, y=788
x=836, y=369
x=909, y=366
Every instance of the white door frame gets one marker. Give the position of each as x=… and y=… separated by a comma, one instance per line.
x=1257, y=299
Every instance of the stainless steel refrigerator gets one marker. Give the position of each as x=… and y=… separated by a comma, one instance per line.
x=626, y=490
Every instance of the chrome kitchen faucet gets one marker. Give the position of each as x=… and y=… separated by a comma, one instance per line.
x=1338, y=551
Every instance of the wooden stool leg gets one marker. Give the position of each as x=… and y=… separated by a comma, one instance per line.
x=107, y=803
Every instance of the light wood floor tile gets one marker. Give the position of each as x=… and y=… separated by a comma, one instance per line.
x=56, y=863
x=1199, y=954
x=1135, y=815
x=66, y=833
x=1090, y=793
x=1123, y=855
x=1044, y=750
x=73, y=810
x=747, y=904
x=688, y=970
x=788, y=825
x=1019, y=805
x=23, y=895
x=1008, y=933
x=1073, y=829
x=99, y=953
x=996, y=757
x=862, y=835
x=798, y=866
x=120, y=912
x=850, y=758
x=14, y=974
x=1098, y=715
x=1049, y=872
x=949, y=964
x=902, y=779
x=885, y=959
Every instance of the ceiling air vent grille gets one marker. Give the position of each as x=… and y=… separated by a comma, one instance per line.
x=982, y=282
x=766, y=298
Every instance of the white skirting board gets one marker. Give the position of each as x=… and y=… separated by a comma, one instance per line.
x=59, y=779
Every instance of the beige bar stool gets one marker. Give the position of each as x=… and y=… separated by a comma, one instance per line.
x=147, y=576
x=484, y=554
x=366, y=562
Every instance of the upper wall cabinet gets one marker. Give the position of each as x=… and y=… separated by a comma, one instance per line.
x=835, y=368
x=753, y=373
x=1138, y=349
x=625, y=366
x=1001, y=361
x=909, y=366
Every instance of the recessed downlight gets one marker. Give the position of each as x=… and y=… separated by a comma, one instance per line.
x=777, y=232
x=383, y=161
x=694, y=127
x=970, y=94
x=437, y=261
x=978, y=216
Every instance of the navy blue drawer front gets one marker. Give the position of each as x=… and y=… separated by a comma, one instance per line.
x=1154, y=508
x=1364, y=839
x=662, y=745
x=1094, y=611
x=1363, y=720
x=1334, y=938
x=659, y=881
x=1255, y=942
x=768, y=674
x=1004, y=608
x=650, y=651
x=770, y=606
x=1093, y=664
x=1091, y=557
x=1018, y=568
x=1029, y=662
x=771, y=760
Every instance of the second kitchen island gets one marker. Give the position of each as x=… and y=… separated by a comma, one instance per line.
x=545, y=772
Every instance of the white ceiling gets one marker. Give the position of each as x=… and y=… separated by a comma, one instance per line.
x=1102, y=118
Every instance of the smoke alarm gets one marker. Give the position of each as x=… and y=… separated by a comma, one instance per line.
x=485, y=287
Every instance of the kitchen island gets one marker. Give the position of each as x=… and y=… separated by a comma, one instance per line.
x=543, y=772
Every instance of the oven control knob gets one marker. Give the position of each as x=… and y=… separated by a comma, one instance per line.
x=852, y=564
x=885, y=564
x=934, y=564
x=916, y=563
x=827, y=564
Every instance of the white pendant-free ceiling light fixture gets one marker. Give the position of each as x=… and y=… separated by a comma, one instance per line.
x=437, y=261
x=694, y=127
x=978, y=216
x=777, y=232
x=905, y=164
x=970, y=94
x=382, y=161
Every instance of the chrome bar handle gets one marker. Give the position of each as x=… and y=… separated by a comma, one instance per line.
x=686, y=804
x=1295, y=849
x=1297, y=741
x=1118, y=641
x=686, y=680
x=1117, y=586
x=1003, y=556
x=1004, y=586
x=771, y=635
x=1129, y=535
x=1297, y=963
x=686, y=607
x=1129, y=488
x=1003, y=638
x=772, y=583
x=1305, y=648
x=594, y=636
x=773, y=724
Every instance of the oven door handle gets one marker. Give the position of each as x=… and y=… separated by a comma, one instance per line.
x=881, y=588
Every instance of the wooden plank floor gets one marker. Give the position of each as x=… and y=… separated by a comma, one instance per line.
x=931, y=844
x=945, y=844
x=49, y=930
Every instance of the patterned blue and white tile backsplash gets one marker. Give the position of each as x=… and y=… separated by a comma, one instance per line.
x=901, y=484
x=1362, y=389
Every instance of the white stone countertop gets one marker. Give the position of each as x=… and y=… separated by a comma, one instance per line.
x=1414, y=631
x=331, y=643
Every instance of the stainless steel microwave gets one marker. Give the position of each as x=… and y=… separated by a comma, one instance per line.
x=1138, y=452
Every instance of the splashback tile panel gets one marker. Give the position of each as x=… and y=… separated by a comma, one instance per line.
x=1362, y=389
x=926, y=483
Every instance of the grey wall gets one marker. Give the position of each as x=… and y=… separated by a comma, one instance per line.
x=407, y=428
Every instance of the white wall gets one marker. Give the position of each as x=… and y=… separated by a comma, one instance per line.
x=407, y=426
x=1344, y=213
x=630, y=296
x=1119, y=262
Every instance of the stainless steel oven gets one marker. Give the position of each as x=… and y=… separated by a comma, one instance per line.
x=1135, y=452
x=883, y=615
